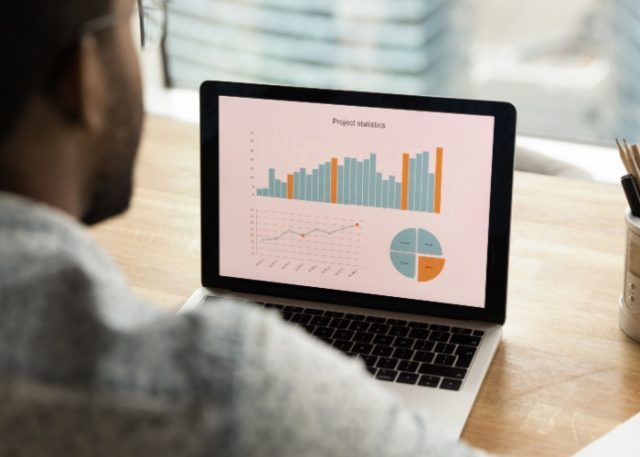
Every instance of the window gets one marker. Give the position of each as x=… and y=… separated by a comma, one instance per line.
x=569, y=71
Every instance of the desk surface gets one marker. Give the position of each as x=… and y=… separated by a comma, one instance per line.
x=563, y=375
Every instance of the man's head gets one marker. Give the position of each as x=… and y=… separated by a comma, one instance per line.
x=71, y=110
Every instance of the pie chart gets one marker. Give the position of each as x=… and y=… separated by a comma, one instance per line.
x=416, y=253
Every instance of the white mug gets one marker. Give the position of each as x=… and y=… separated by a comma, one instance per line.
x=629, y=310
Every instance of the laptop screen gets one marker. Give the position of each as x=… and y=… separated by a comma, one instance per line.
x=373, y=200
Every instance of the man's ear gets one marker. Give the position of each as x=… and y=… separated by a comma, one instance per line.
x=78, y=89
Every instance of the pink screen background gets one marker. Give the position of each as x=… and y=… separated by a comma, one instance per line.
x=290, y=135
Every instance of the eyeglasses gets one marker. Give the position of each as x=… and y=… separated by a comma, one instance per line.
x=153, y=21
x=152, y=16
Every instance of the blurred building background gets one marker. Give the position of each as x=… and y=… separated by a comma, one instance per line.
x=569, y=66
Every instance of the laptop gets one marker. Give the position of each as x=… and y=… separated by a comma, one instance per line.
x=379, y=223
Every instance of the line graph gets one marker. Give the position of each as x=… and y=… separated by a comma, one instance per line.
x=312, y=231
x=311, y=239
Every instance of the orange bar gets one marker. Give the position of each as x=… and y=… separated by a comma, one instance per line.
x=438, y=183
x=404, y=199
x=334, y=180
x=290, y=187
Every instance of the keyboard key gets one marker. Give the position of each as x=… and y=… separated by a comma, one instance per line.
x=323, y=332
x=441, y=337
x=429, y=381
x=418, y=325
x=419, y=333
x=444, y=359
x=308, y=327
x=374, y=319
x=467, y=340
x=439, y=370
x=339, y=323
x=333, y=314
x=379, y=328
x=343, y=335
x=464, y=361
x=440, y=328
x=301, y=318
x=362, y=348
x=424, y=345
x=362, y=337
x=466, y=351
x=322, y=321
x=404, y=343
x=464, y=331
x=359, y=326
x=354, y=317
x=372, y=370
x=370, y=360
x=407, y=378
x=397, y=322
x=445, y=348
x=398, y=331
x=422, y=356
x=287, y=315
x=291, y=309
x=406, y=365
x=342, y=345
x=386, y=375
x=478, y=333
x=315, y=312
x=384, y=351
x=383, y=339
x=451, y=384
x=384, y=362
x=405, y=354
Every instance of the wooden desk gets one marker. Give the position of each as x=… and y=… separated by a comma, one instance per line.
x=564, y=373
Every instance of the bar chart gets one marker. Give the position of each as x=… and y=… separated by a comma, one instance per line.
x=358, y=182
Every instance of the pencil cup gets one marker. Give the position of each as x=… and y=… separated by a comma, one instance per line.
x=629, y=311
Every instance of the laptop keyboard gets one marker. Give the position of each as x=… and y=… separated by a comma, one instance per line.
x=394, y=350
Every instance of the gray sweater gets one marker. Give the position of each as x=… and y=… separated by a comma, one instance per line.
x=87, y=369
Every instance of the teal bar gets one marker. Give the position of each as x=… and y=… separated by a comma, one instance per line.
x=419, y=168
x=398, y=195
x=301, y=185
x=425, y=182
x=314, y=186
x=327, y=182
x=340, y=197
x=372, y=180
x=365, y=182
x=353, y=182
x=283, y=190
x=412, y=184
x=385, y=194
x=347, y=175
x=321, y=184
x=392, y=191
x=259, y=192
x=432, y=180
x=272, y=182
x=359, y=183
x=379, y=189
x=296, y=185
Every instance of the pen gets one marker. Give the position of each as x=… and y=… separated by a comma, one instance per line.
x=632, y=192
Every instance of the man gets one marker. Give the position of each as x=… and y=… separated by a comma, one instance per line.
x=86, y=369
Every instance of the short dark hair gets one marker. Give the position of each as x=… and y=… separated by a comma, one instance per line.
x=33, y=38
